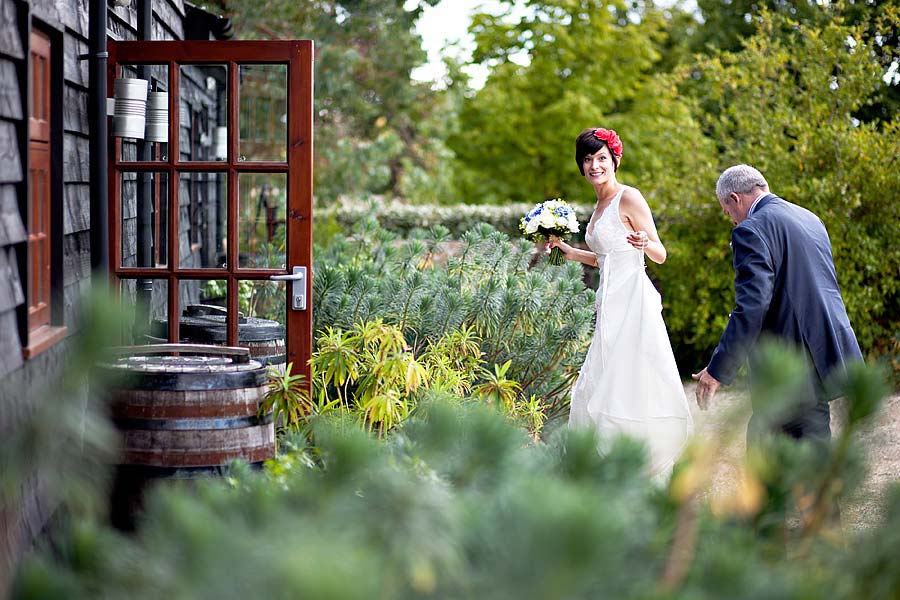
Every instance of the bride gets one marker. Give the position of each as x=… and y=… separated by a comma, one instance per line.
x=629, y=383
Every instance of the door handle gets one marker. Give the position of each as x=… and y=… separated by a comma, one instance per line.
x=298, y=287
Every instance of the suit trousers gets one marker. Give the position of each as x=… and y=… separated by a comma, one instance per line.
x=808, y=417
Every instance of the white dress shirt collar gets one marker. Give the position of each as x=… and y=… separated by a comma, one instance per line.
x=756, y=201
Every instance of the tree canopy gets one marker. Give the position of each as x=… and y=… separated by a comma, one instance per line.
x=563, y=67
x=368, y=110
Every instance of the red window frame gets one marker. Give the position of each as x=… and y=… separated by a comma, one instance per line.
x=41, y=332
x=39, y=184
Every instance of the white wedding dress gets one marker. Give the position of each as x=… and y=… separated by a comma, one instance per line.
x=629, y=383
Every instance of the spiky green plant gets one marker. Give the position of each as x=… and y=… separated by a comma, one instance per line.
x=537, y=318
x=498, y=388
x=287, y=397
x=369, y=370
x=531, y=411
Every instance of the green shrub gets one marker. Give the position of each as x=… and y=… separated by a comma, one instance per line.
x=371, y=372
x=537, y=318
x=787, y=104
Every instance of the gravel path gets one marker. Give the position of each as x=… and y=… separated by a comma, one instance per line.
x=881, y=440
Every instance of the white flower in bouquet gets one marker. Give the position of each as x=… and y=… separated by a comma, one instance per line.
x=551, y=217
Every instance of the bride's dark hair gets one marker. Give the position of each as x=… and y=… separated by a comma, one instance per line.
x=587, y=143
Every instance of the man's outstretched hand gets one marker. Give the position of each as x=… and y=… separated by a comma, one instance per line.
x=706, y=388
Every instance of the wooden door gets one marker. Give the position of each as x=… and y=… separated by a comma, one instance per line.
x=237, y=177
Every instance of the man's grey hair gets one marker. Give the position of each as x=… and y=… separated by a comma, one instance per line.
x=740, y=179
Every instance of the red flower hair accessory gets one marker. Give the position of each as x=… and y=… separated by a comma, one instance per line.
x=612, y=140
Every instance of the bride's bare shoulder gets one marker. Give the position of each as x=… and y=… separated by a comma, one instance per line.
x=632, y=198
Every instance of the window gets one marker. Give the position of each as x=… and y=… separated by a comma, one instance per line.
x=41, y=332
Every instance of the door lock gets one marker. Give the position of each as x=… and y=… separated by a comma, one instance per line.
x=298, y=287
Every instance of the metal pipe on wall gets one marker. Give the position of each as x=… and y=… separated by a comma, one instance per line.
x=99, y=143
x=144, y=151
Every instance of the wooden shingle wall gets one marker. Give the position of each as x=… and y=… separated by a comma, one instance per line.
x=12, y=228
x=20, y=520
x=23, y=383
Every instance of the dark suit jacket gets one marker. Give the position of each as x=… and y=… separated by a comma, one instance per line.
x=785, y=284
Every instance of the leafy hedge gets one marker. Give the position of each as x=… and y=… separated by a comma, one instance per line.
x=791, y=103
x=403, y=218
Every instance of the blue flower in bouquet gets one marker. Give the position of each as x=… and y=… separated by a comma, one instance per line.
x=551, y=217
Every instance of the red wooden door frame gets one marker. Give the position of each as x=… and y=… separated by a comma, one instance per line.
x=298, y=56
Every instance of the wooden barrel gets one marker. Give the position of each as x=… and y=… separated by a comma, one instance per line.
x=206, y=324
x=185, y=416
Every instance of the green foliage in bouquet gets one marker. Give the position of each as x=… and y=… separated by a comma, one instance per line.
x=481, y=289
x=461, y=504
x=550, y=218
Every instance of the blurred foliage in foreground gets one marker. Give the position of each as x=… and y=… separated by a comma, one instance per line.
x=459, y=503
x=67, y=434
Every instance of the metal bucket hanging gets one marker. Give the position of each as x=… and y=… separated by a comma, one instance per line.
x=130, y=108
x=157, y=117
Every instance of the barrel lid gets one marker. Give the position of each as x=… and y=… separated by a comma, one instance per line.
x=205, y=323
x=181, y=364
x=185, y=372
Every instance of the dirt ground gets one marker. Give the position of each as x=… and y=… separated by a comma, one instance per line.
x=880, y=438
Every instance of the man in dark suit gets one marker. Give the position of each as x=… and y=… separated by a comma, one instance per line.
x=785, y=285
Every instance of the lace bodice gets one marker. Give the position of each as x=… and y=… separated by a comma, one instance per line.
x=607, y=238
x=607, y=233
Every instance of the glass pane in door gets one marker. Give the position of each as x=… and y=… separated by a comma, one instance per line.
x=144, y=212
x=261, y=326
x=262, y=206
x=202, y=219
x=202, y=112
x=145, y=303
x=203, y=311
x=262, y=118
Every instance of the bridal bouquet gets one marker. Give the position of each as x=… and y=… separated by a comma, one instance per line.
x=551, y=217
